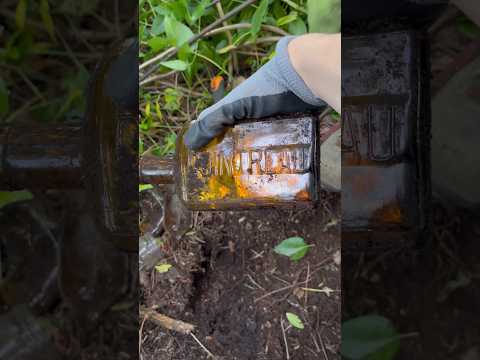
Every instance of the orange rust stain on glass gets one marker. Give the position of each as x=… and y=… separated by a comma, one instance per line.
x=390, y=213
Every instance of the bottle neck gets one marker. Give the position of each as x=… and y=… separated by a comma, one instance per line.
x=154, y=170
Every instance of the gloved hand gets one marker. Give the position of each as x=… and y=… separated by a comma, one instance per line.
x=276, y=88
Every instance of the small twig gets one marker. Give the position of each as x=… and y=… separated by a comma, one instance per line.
x=233, y=65
x=273, y=29
x=323, y=345
x=167, y=322
x=325, y=112
x=22, y=109
x=157, y=77
x=262, y=40
x=278, y=290
x=284, y=338
x=172, y=51
x=202, y=346
x=295, y=6
x=306, y=284
x=140, y=332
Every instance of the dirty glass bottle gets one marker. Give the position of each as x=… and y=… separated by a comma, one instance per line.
x=268, y=162
x=385, y=137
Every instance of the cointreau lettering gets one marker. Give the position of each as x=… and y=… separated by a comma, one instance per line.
x=292, y=159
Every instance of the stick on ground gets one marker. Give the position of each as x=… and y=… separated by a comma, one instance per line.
x=167, y=322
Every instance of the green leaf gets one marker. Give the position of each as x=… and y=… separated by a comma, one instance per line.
x=4, y=99
x=259, y=17
x=324, y=16
x=163, y=268
x=175, y=65
x=47, y=18
x=295, y=321
x=297, y=27
x=287, y=19
x=371, y=337
x=143, y=187
x=157, y=43
x=177, y=33
x=200, y=10
x=21, y=14
x=10, y=197
x=295, y=248
x=157, y=26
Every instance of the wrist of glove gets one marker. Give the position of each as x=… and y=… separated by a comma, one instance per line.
x=276, y=88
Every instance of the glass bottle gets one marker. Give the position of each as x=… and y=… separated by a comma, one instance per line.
x=271, y=162
x=385, y=136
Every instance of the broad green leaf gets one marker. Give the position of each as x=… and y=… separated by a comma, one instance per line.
x=143, y=187
x=47, y=18
x=175, y=65
x=287, y=19
x=259, y=17
x=371, y=337
x=177, y=33
x=295, y=321
x=163, y=268
x=158, y=43
x=161, y=10
x=21, y=14
x=4, y=99
x=324, y=16
x=200, y=10
x=10, y=197
x=157, y=26
x=278, y=10
x=295, y=248
x=297, y=27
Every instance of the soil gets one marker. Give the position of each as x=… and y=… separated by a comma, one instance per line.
x=431, y=292
x=228, y=282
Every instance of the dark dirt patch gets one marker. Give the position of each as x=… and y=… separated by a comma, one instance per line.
x=241, y=290
x=433, y=291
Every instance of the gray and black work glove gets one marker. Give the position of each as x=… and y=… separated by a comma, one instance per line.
x=274, y=89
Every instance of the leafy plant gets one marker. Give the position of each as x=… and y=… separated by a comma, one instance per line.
x=294, y=247
x=171, y=101
x=370, y=337
x=295, y=320
x=324, y=16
